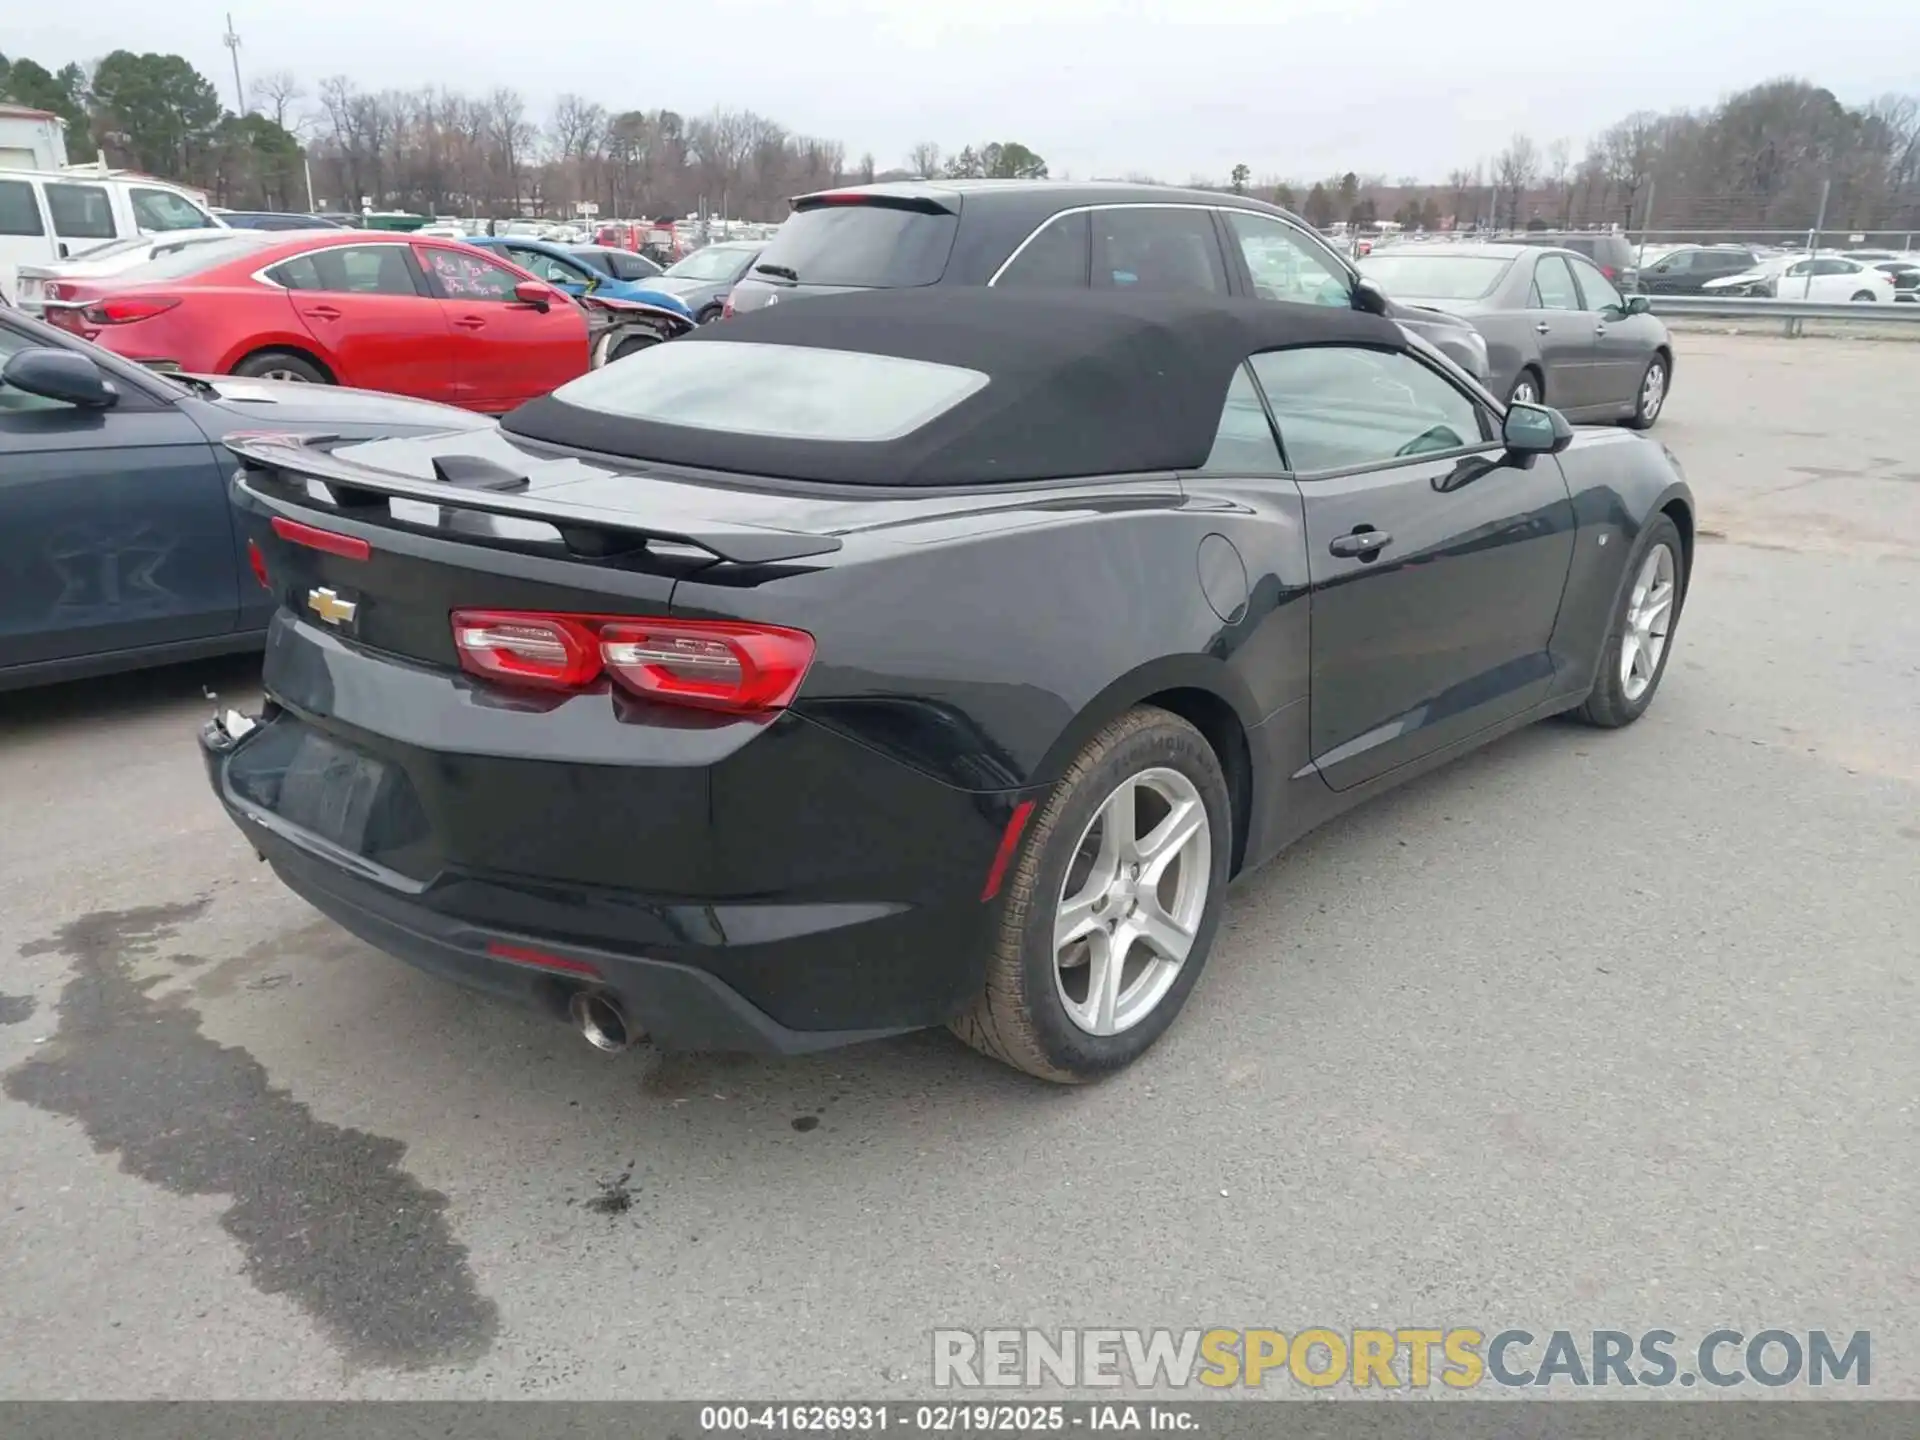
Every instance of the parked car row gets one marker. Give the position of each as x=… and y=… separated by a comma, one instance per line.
x=51, y=215
x=433, y=319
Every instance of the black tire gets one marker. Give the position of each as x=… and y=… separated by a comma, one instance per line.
x=707, y=316
x=1019, y=1017
x=632, y=345
x=1528, y=376
x=1863, y=297
x=1607, y=704
x=1643, y=418
x=282, y=365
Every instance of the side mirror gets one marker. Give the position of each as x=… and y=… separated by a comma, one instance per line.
x=1535, y=430
x=64, y=375
x=536, y=293
x=1370, y=297
x=1639, y=305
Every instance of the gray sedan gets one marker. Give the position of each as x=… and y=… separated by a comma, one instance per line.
x=1557, y=330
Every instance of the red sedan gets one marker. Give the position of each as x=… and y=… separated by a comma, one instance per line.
x=431, y=318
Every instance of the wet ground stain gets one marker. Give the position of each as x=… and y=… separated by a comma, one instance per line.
x=324, y=1215
x=806, y=1122
x=615, y=1198
x=15, y=1008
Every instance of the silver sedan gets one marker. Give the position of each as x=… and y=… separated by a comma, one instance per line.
x=1557, y=330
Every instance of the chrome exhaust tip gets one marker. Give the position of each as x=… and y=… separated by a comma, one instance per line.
x=598, y=1017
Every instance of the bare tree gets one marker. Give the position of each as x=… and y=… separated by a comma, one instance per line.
x=1514, y=172
x=1630, y=149
x=866, y=168
x=274, y=95
x=1559, y=172
x=513, y=137
x=924, y=159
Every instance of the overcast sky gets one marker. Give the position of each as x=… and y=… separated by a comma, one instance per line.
x=1299, y=88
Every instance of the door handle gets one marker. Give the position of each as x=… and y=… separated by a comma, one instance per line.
x=1542, y=328
x=470, y=322
x=1364, y=543
x=322, y=312
x=1601, y=328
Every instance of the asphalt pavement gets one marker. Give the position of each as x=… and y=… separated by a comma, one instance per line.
x=1591, y=1029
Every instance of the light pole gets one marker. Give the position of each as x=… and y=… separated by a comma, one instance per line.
x=232, y=41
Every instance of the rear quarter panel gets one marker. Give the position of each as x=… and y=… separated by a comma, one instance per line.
x=987, y=647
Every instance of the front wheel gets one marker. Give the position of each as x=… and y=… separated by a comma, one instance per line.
x=1652, y=397
x=1108, y=916
x=632, y=345
x=1641, y=637
x=1526, y=390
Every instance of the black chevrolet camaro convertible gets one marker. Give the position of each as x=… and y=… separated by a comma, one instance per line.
x=916, y=658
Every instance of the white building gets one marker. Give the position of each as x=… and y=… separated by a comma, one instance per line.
x=31, y=139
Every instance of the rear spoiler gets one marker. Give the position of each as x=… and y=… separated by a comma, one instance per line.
x=469, y=482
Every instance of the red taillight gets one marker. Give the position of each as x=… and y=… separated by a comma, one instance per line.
x=714, y=664
x=554, y=652
x=719, y=665
x=128, y=308
x=726, y=306
x=258, y=564
x=1609, y=272
x=347, y=547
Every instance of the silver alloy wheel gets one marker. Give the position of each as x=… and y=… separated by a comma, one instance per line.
x=1524, y=394
x=1131, y=903
x=291, y=375
x=1653, y=391
x=1649, y=619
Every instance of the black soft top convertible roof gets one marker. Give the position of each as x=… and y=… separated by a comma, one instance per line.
x=1081, y=383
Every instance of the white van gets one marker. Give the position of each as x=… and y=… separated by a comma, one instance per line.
x=52, y=215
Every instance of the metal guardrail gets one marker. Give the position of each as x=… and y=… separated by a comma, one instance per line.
x=1794, y=313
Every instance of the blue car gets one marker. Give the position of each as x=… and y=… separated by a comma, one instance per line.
x=118, y=548
x=557, y=266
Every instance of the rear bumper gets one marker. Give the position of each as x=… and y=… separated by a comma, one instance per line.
x=714, y=899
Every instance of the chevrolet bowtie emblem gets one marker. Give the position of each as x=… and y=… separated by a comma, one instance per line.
x=330, y=607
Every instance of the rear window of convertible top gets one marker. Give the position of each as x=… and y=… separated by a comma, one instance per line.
x=792, y=392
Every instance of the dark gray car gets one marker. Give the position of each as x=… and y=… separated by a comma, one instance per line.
x=1061, y=235
x=117, y=545
x=1557, y=330
x=705, y=278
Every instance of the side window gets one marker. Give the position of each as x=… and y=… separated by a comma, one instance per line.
x=1244, y=444
x=1836, y=267
x=460, y=275
x=1285, y=265
x=1054, y=259
x=1599, y=290
x=1157, y=248
x=158, y=210
x=349, y=270
x=1339, y=407
x=1800, y=267
x=1553, y=284
x=19, y=209
x=80, y=212
x=1680, y=264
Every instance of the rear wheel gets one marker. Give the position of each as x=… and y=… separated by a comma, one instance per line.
x=1862, y=297
x=1641, y=639
x=281, y=365
x=1526, y=390
x=633, y=345
x=1108, y=916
